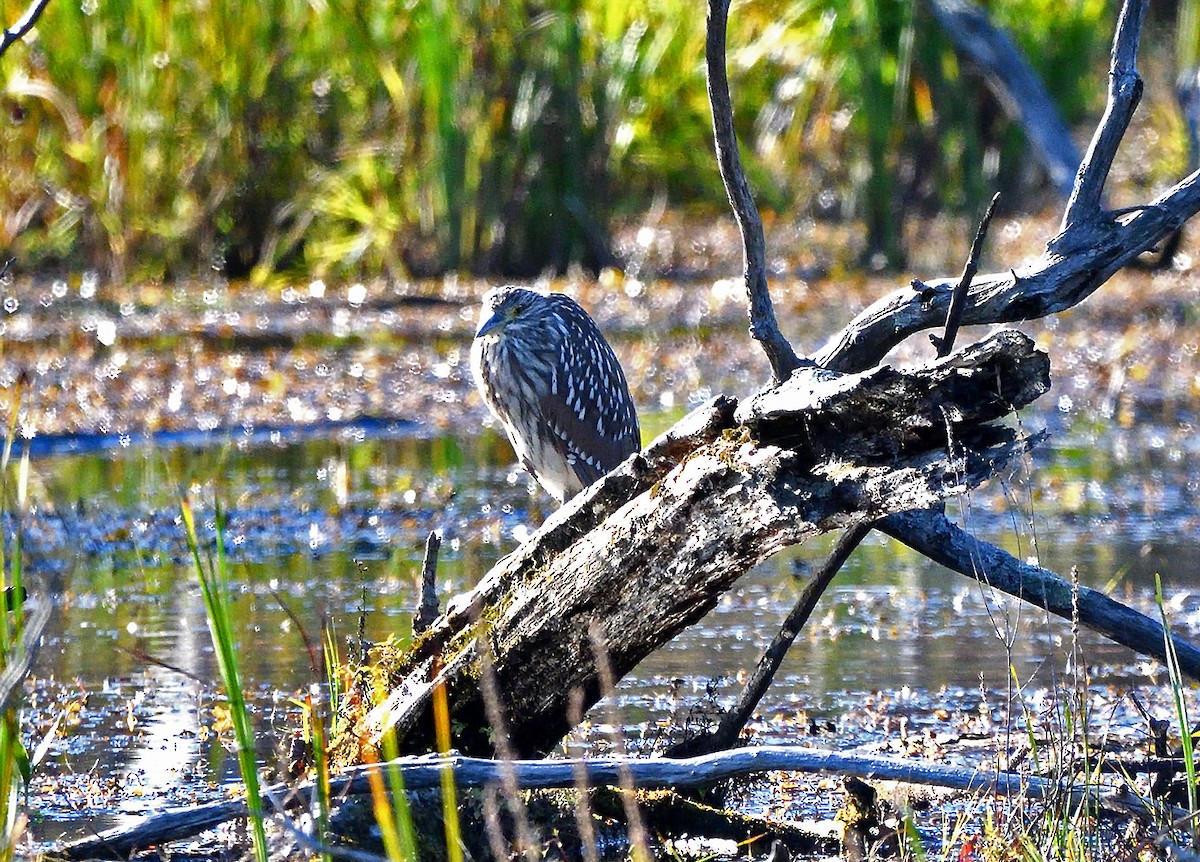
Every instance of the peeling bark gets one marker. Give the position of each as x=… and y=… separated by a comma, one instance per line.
x=649, y=550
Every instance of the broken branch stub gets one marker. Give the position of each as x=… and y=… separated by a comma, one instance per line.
x=649, y=549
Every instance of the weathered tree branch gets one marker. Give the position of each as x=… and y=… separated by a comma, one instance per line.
x=958, y=297
x=1124, y=93
x=1047, y=286
x=425, y=773
x=730, y=727
x=763, y=325
x=427, y=601
x=650, y=548
x=933, y=535
x=1090, y=247
x=23, y=25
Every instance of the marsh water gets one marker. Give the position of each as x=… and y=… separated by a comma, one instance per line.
x=340, y=428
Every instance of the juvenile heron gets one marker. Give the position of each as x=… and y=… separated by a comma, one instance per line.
x=547, y=373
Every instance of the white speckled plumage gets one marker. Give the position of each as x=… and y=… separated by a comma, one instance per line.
x=549, y=376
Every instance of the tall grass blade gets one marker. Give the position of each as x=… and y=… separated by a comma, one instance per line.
x=214, y=585
x=15, y=764
x=320, y=750
x=402, y=813
x=333, y=666
x=441, y=726
x=1179, y=696
x=393, y=817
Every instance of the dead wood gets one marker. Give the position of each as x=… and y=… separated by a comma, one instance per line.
x=729, y=729
x=649, y=549
x=669, y=813
x=933, y=535
x=1091, y=245
x=422, y=774
x=763, y=326
x=427, y=601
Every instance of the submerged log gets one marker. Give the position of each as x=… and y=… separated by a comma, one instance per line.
x=649, y=549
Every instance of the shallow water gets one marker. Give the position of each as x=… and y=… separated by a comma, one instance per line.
x=354, y=433
x=325, y=527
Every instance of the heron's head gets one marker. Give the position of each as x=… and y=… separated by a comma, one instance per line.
x=511, y=311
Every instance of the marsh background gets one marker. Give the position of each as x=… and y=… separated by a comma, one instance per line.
x=250, y=239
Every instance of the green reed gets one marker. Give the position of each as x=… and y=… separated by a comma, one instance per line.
x=214, y=584
x=352, y=137
x=15, y=766
x=1179, y=688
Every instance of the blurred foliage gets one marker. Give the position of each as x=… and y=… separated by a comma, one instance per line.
x=350, y=137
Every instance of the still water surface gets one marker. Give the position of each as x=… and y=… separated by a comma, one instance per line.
x=327, y=523
x=328, y=526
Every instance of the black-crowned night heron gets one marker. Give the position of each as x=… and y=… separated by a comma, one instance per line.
x=547, y=373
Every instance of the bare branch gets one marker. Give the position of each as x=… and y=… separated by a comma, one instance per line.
x=427, y=603
x=730, y=728
x=1047, y=286
x=945, y=343
x=1124, y=93
x=931, y=534
x=1085, y=254
x=763, y=326
x=423, y=773
x=24, y=24
x=18, y=667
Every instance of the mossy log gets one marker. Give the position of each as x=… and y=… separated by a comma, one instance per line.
x=649, y=549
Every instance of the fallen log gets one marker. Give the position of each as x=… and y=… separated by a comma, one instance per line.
x=649, y=550
x=425, y=773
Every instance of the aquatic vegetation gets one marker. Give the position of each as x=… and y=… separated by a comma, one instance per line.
x=15, y=765
x=214, y=584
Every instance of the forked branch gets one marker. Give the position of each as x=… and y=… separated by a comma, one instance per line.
x=1124, y=93
x=1091, y=246
x=1089, y=249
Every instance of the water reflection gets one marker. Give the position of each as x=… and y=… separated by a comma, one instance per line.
x=330, y=528
x=168, y=749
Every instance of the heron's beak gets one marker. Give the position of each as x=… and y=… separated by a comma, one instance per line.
x=493, y=324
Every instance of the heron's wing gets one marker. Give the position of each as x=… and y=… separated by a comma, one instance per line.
x=588, y=409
